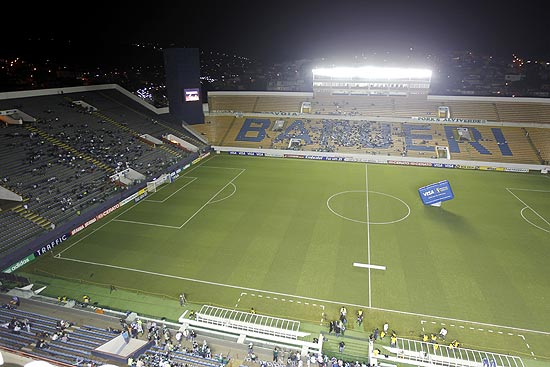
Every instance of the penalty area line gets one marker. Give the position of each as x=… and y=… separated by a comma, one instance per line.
x=369, y=266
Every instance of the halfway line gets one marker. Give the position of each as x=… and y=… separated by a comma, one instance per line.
x=368, y=231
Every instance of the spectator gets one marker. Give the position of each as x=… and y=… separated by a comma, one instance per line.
x=443, y=333
x=341, y=346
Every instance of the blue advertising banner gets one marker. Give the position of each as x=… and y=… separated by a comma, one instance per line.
x=436, y=192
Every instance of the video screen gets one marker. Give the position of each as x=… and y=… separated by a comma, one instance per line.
x=191, y=94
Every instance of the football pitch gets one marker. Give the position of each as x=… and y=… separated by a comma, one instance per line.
x=283, y=235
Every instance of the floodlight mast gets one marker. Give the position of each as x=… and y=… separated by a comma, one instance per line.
x=373, y=72
x=371, y=81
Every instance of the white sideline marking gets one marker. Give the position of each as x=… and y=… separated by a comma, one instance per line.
x=146, y=224
x=92, y=232
x=303, y=297
x=370, y=266
x=128, y=209
x=58, y=256
x=223, y=167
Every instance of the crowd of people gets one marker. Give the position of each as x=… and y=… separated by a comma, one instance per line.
x=441, y=336
x=170, y=345
x=331, y=135
x=62, y=165
x=17, y=325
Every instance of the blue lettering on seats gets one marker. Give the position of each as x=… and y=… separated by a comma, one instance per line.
x=253, y=130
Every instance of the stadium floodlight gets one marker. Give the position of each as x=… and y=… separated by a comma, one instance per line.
x=373, y=72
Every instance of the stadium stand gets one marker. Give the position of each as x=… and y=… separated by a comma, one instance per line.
x=540, y=140
x=278, y=104
x=231, y=104
x=334, y=124
x=486, y=143
x=493, y=109
x=216, y=128
x=523, y=112
x=60, y=164
x=69, y=342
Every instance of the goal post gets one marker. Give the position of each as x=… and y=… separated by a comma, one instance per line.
x=442, y=152
x=152, y=186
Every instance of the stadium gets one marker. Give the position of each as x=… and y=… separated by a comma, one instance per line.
x=273, y=212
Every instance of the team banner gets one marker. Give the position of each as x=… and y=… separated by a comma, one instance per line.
x=436, y=193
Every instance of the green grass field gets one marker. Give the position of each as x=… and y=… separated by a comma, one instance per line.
x=282, y=235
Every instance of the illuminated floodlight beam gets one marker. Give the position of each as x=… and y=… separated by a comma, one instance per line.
x=373, y=72
x=370, y=266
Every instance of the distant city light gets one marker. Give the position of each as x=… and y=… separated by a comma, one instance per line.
x=373, y=72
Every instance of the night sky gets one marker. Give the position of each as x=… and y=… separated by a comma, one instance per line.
x=285, y=30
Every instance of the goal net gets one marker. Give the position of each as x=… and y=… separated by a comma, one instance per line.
x=152, y=186
x=442, y=152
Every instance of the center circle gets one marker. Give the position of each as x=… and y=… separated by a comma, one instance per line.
x=354, y=197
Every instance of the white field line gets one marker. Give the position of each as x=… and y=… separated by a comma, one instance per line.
x=174, y=193
x=534, y=190
x=339, y=303
x=531, y=223
x=192, y=216
x=228, y=196
x=58, y=256
x=130, y=207
x=92, y=232
x=279, y=300
x=368, y=230
x=212, y=198
x=528, y=207
x=369, y=266
x=218, y=167
x=146, y=223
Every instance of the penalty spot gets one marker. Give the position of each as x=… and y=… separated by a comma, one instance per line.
x=370, y=266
